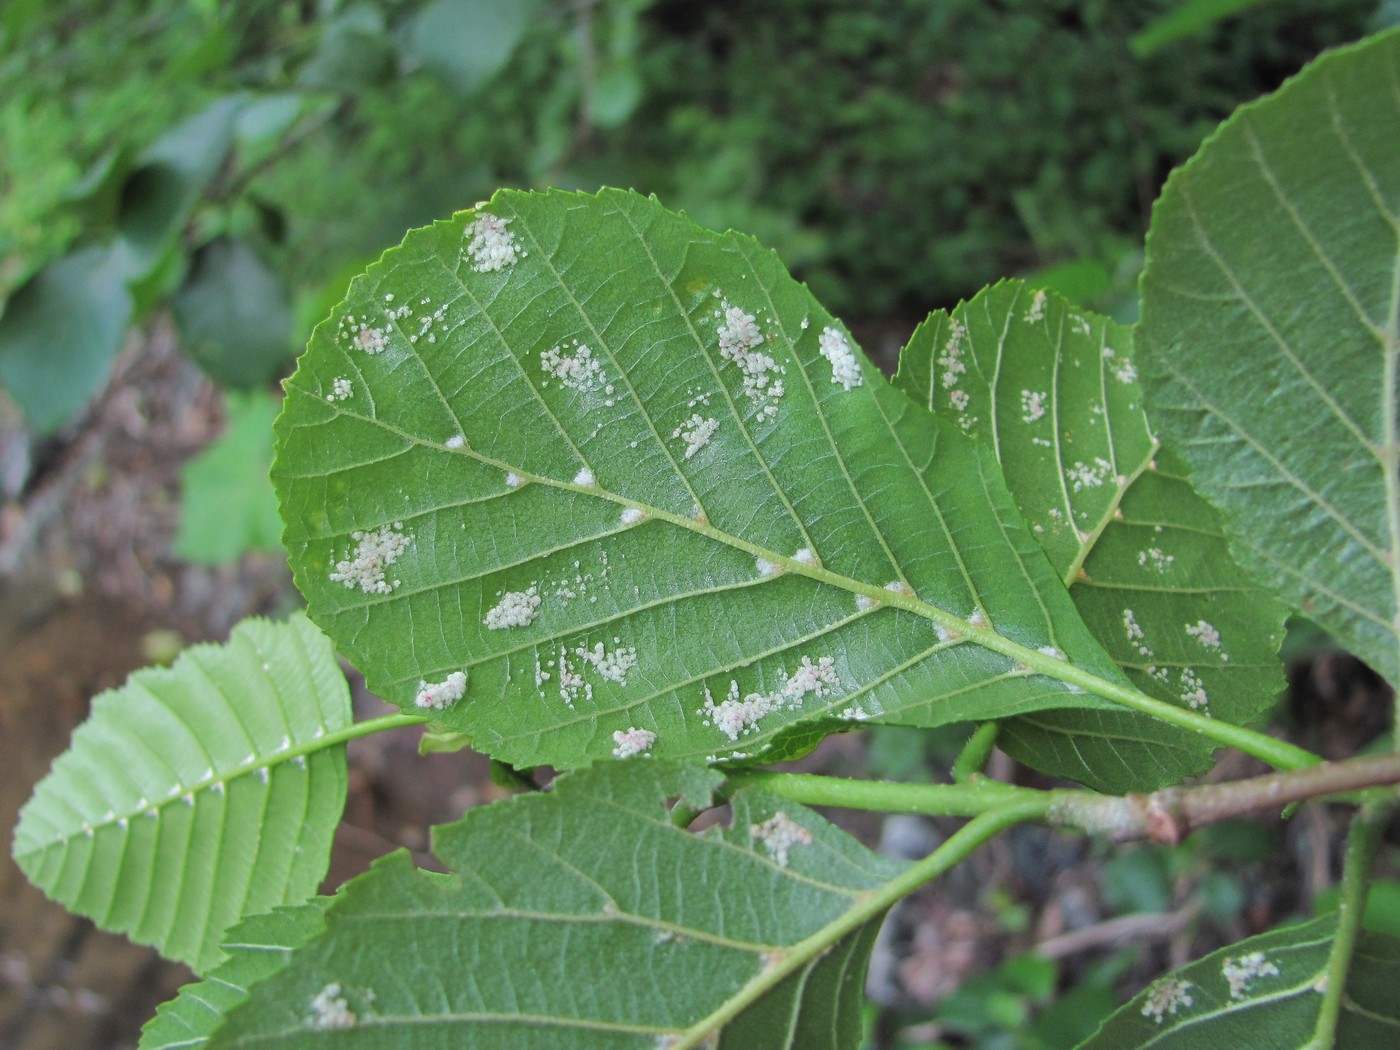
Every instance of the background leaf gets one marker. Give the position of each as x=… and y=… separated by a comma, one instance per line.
x=227, y=505
x=1269, y=333
x=1054, y=392
x=466, y=42
x=533, y=482
x=585, y=919
x=1261, y=992
x=195, y=795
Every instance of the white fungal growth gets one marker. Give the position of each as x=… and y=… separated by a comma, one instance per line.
x=612, y=665
x=632, y=515
x=370, y=340
x=514, y=480
x=1081, y=325
x=735, y=717
x=845, y=369
x=1158, y=559
x=739, y=339
x=779, y=835
x=341, y=389
x=632, y=742
x=1204, y=633
x=439, y=694
x=977, y=618
x=455, y=441
x=1166, y=997
x=819, y=678
x=1037, y=311
x=578, y=370
x=374, y=553
x=1032, y=405
x=515, y=609
x=1122, y=367
x=900, y=587
x=1193, y=692
x=951, y=359
x=1241, y=971
x=1051, y=651
x=696, y=433
x=490, y=245
x=572, y=684
x=804, y=556
x=865, y=603
x=330, y=1010
x=766, y=567
x=584, y=479
x=1089, y=475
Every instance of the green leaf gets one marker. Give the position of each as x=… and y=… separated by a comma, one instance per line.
x=466, y=42
x=585, y=919
x=227, y=505
x=1186, y=18
x=473, y=502
x=235, y=314
x=1054, y=392
x=1263, y=992
x=195, y=795
x=60, y=332
x=1269, y=337
x=258, y=947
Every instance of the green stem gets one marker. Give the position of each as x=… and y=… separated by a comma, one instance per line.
x=357, y=729
x=976, y=752
x=867, y=908
x=883, y=796
x=1362, y=844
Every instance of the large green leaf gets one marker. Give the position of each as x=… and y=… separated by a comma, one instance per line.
x=1271, y=338
x=195, y=795
x=1054, y=392
x=1264, y=992
x=570, y=471
x=584, y=919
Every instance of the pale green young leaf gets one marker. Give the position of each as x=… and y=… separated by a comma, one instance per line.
x=1263, y=991
x=545, y=549
x=258, y=947
x=1270, y=338
x=1053, y=391
x=585, y=919
x=197, y=794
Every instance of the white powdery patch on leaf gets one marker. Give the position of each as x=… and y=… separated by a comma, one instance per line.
x=696, y=433
x=572, y=684
x=456, y=441
x=1157, y=558
x=739, y=339
x=1243, y=970
x=341, y=389
x=1036, y=312
x=632, y=742
x=1032, y=405
x=779, y=835
x=577, y=369
x=490, y=245
x=1193, y=692
x=374, y=553
x=330, y=1010
x=584, y=479
x=1166, y=997
x=632, y=515
x=438, y=695
x=515, y=609
x=1136, y=637
x=845, y=369
x=1204, y=633
x=1122, y=367
x=613, y=664
x=1089, y=475
x=735, y=717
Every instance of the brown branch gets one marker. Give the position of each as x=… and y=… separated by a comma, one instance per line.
x=1173, y=813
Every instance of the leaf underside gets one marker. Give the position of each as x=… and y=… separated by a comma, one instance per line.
x=1054, y=392
x=183, y=803
x=662, y=534
x=1270, y=304
x=585, y=919
x=1263, y=991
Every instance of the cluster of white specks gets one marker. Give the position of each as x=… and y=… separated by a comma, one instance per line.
x=1204, y=633
x=1037, y=311
x=1081, y=324
x=438, y=695
x=817, y=678
x=374, y=553
x=697, y=397
x=735, y=717
x=1122, y=367
x=340, y=389
x=1032, y=405
x=632, y=742
x=1136, y=638
x=1239, y=972
x=950, y=360
x=779, y=834
x=431, y=317
x=739, y=339
x=572, y=683
x=576, y=369
x=696, y=433
x=514, y=609
x=1156, y=558
x=854, y=713
x=845, y=369
x=361, y=334
x=1193, y=692
x=490, y=246
x=456, y=441
x=612, y=664
x=1166, y=997
x=1089, y=475
x=330, y=1010
x=632, y=515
